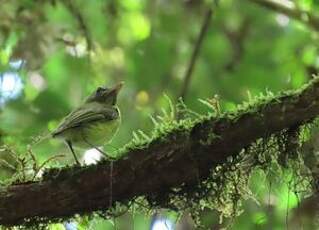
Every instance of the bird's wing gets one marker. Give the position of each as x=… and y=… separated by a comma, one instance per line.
x=83, y=116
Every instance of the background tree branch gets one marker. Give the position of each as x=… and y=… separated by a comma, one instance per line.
x=183, y=156
x=198, y=44
x=82, y=24
x=289, y=8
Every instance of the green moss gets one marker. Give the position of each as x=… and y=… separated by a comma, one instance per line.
x=228, y=184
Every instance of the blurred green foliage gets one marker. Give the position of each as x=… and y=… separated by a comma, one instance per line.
x=148, y=44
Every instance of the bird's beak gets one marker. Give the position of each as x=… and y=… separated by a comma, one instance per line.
x=117, y=88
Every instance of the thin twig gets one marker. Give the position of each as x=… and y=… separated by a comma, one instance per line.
x=195, y=53
x=46, y=162
x=291, y=10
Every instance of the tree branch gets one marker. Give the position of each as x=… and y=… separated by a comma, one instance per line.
x=183, y=156
x=289, y=8
x=78, y=16
x=195, y=53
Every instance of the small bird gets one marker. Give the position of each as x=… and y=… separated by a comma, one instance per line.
x=92, y=124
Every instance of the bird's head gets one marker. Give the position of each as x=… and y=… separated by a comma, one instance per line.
x=105, y=95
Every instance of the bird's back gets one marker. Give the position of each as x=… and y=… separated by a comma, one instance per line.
x=89, y=125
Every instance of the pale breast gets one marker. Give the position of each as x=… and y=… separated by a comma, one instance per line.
x=99, y=133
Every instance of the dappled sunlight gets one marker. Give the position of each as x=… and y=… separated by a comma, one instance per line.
x=10, y=86
x=37, y=81
x=282, y=20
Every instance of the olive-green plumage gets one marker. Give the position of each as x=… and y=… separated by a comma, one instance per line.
x=94, y=123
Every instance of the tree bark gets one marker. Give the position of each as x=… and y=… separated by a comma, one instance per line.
x=183, y=156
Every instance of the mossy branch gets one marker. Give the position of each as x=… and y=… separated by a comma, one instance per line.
x=184, y=156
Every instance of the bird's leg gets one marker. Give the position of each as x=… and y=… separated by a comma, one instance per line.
x=69, y=143
x=101, y=151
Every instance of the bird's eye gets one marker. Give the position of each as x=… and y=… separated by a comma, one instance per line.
x=99, y=90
